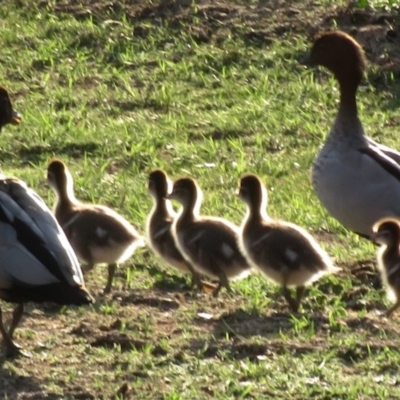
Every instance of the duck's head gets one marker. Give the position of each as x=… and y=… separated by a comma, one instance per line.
x=58, y=176
x=187, y=192
x=340, y=53
x=252, y=192
x=159, y=184
x=7, y=114
x=387, y=232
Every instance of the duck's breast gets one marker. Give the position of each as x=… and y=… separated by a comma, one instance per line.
x=352, y=184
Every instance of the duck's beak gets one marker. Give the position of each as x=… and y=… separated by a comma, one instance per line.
x=16, y=117
x=168, y=196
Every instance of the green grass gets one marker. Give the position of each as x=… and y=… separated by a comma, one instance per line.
x=116, y=96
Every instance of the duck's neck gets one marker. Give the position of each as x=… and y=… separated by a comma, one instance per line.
x=348, y=101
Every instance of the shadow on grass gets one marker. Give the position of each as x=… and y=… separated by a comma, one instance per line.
x=35, y=154
x=241, y=349
x=241, y=323
x=244, y=324
x=38, y=153
x=16, y=386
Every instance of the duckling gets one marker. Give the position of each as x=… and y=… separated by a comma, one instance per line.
x=356, y=179
x=159, y=222
x=97, y=234
x=37, y=262
x=209, y=244
x=282, y=251
x=387, y=233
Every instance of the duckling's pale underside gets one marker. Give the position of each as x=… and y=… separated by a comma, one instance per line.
x=357, y=180
x=34, y=252
x=285, y=253
x=211, y=245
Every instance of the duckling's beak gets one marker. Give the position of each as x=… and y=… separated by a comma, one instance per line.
x=16, y=117
x=306, y=60
x=46, y=181
x=168, y=196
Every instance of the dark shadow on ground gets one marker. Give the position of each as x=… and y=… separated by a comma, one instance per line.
x=15, y=386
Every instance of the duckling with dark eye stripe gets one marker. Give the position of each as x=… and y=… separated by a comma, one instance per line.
x=387, y=233
x=282, y=251
x=159, y=222
x=210, y=244
x=97, y=234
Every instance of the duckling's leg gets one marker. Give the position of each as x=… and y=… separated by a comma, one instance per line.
x=392, y=309
x=12, y=350
x=17, y=314
x=223, y=282
x=195, y=281
x=299, y=295
x=288, y=296
x=111, y=272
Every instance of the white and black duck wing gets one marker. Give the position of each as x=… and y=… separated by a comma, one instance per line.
x=392, y=153
x=32, y=243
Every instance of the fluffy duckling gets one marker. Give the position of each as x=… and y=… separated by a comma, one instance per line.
x=355, y=178
x=97, y=234
x=37, y=262
x=387, y=233
x=210, y=244
x=159, y=222
x=283, y=252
